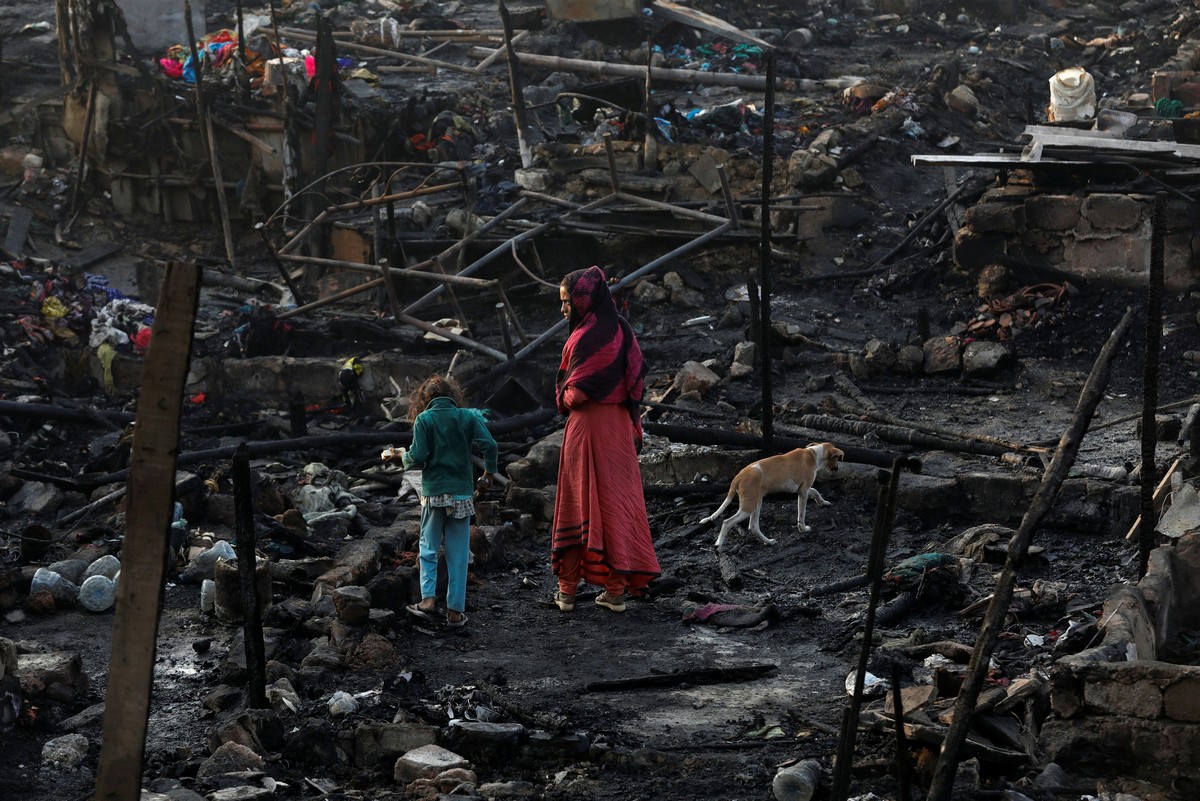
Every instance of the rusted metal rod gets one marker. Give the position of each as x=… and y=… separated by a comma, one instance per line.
x=408, y=272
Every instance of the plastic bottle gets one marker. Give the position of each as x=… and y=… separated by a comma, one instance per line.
x=107, y=566
x=203, y=564
x=797, y=782
x=64, y=592
x=208, y=596
x=97, y=593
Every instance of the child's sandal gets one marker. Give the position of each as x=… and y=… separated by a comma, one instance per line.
x=565, y=602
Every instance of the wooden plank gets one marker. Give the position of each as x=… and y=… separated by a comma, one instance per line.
x=1159, y=498
x=998, y=161
x=707, y=22
x=1124, y=145
x=18, y=231
x=151, y=493
x=92, y=255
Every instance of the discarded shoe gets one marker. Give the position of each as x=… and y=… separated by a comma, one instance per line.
x=565, y=602
x=609, y=603
x=416, y=611
x=456, y=624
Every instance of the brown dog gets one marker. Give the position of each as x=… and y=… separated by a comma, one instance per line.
x=794, y=471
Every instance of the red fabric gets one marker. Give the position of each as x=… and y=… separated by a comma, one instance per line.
x=601, y=533
x=602, y=357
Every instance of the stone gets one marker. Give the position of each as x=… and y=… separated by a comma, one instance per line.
x=534, y=179
x=377, y=744
x=94, y=714
x=514, y=789
x=356, y=563
x=373, y=653
x=426, y=762
x=974, y=251
x=682, y=295
x=879, y=356
x=942, y=355
x=59, y=672
x=910, y=359
x=353, y=605
x=260, y=730
x=282, y=696
x=539, y=466
x=8, y=657
x=981, y=358
x=476, y=737
x=650, y=293
x=394, y=590
x=569, y=746
x=809, y=170
x=695, y=377
x=451, y=783
x=67, y=751
x=232, y=669
x=222, y=697
x=1181, y=700
x=963, y=100
x=230, y=758
x=40, y=602
x=35, y=499
x=1006, y=218
x=241, y=792
x=324, y=656
x=314, y=743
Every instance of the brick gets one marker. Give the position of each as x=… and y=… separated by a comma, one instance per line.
x=1120, y=259
x=1052, y=212
x=996, y=218
x=1181, y=701
x=1141, y=699
x=377, y=743
x=1112, y=212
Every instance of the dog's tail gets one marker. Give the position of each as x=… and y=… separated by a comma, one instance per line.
x=729, y=496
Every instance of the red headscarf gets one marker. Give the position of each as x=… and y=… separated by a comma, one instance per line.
x=602, y=357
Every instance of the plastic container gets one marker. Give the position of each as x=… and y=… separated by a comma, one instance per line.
x=107, y=566
x=797, y=782
x=204, y=563
x=64, y=592
x=98, y=593
x=208, y=596
x=1072, y=95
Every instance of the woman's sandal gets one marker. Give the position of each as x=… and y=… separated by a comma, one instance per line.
x=456, y=624
x=565, y=602
x=416, y=611
x=603, y=599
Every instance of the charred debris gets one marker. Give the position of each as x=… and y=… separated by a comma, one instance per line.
x=954, y=239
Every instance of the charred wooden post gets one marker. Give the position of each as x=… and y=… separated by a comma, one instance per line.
x=292, y=286
x=729, y=571
x=243, y=506
x=206, y=135
x=502, y=316
x=389, y=284
x=993, y=622
x=613, y=176
x=81, y=174
x=297, y=416
x=903, y=763
x=520, y=114
x=764, y=275
x=152, y=486
x=243, y=81
x=731, y=209
x=1153, y=337
x=885, y=514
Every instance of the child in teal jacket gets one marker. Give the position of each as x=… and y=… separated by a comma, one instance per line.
x=443, y=433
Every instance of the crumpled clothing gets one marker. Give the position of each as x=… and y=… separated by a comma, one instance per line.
x=141, y=340
x=733, y=615
x=111, y=320
x=54, y=309
x=908, y=573
x=106, y=353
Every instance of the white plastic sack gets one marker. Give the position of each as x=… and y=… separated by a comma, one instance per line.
x=1072, y=95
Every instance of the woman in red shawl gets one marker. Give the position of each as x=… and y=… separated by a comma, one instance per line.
x=601, y=534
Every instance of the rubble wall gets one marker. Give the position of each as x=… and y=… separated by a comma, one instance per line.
x=1102, y=237
x=1119, y=703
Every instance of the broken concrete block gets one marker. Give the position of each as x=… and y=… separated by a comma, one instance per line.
x=356, y=563
x=426, y=762
x=243, y=792
x=379, y=743
x=963, y=100
x=353, y=604
x=222, y=697
x=982, y=358
x=540, y=464
x=67, y=751
x=996, y=218
x=8, y=657
x=395, y=589
x=36, y=499
x=681, y=294
x=1116, y=212
x=1052, y=212
x=1122, y=258
x=704, y=170
x=695, y=377
x=807, y=169
x=473, y=737
x=93, y=715
x=229, y=758
x=942, y=355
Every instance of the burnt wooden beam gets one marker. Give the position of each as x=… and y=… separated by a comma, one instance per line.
x=713, y=675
